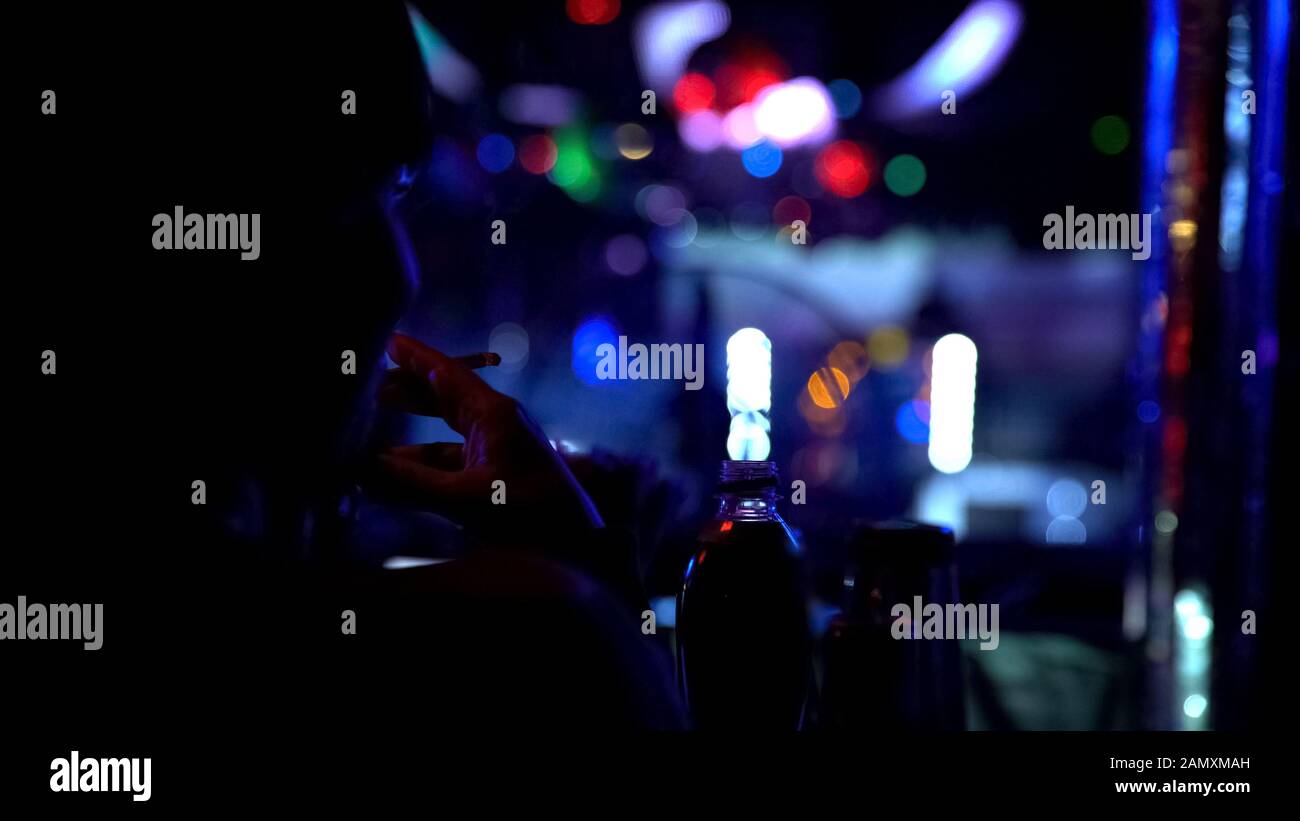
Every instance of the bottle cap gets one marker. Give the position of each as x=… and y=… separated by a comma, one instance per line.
x=738, y=476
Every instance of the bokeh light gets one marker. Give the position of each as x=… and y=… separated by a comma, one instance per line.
x=625, y=254
x=495, y=153
x=537, y=154
x=679, y=233
x=448, y=72
x=1188, y=603
x=755, y=81
x=509, y=341
x=828, y=387
x=574, y=168
x=851, y=358
x=1148, y=411
x=589, y=336
x=913, y=421
x=905, y=175
x=1066, y=530
x=1166, y=521
x=795, y=112
x=1110, y=134
x=661, y=204
x=762, y=159
x=633, y=141
x=592, y=12
x=738, y=127
x=785, y=236
x=968, y=53
x=847, y=97
x=888, y=346
x=701, y=131
x=749, y=394
x=544, y=105
x=826, y=422
x=572, y=162
x=738, y=84
x=1182, y=235
x=952, y=403
x=842, y=169
x=825, y=462
x=1198, y=627
x=747, y=437
x=789, y=209
x=1066, y=497
x=693, y=92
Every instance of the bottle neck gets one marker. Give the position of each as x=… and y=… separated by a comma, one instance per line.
x=747, y=490
x=749, y=506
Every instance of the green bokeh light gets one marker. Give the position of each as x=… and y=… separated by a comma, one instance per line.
x=572, y=162
x=575, y=168
x=905, y=175
x=588, y=189
x=1110, y=134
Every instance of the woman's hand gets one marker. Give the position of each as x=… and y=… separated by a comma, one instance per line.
x=459, y=481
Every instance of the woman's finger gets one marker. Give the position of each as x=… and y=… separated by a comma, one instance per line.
x=403, y=391
x=455, y=494
x=440, y=455
x=458, y=392
x=412, y=355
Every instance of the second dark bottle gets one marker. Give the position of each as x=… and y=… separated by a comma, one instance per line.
x=744, y=653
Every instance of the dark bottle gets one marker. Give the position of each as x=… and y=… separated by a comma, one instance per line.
x=744, y=653
x=873, y=681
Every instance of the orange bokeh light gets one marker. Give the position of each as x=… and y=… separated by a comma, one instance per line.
x=828, y=387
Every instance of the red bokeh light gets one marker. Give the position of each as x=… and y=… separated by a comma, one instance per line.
x=842, y=169
x=757, y=80
x=592, y=12
x=694, y=92
x=1178, y=354
x=740, y=84
x=791, y=208
x=537, y=154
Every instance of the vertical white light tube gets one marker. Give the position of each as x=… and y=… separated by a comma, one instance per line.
x=952, y=403
x=749, y=394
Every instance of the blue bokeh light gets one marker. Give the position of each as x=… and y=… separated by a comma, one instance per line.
x=590, y=335
x=1148, y=411
x=846, y=96
x=913, y=421
x=495, y=153
x=762, y=159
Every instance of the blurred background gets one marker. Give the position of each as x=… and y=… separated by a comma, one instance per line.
x=1090, y=429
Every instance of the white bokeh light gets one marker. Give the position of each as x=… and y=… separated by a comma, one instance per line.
x=749, y=394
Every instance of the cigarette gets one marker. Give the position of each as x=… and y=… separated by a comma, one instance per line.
x=479, y=360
